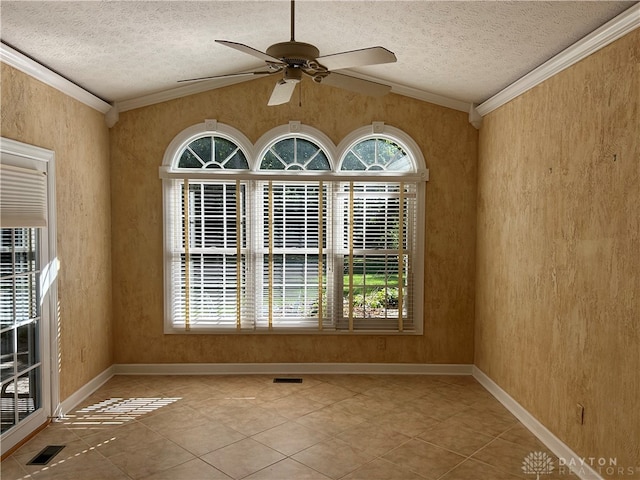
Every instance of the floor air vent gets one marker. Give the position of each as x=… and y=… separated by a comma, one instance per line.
x=287, y=380
x=46, y=454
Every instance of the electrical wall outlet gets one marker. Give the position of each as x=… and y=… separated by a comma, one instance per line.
x=381, y=343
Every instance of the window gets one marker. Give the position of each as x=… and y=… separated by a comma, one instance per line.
x=294, y=233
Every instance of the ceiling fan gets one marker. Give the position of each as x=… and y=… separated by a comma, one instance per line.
x=293, y=59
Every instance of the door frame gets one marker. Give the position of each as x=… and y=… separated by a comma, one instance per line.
x=30, y=156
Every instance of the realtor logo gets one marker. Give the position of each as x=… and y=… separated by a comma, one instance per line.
x=537, y=463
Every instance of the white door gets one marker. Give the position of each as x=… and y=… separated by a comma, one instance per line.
x=26, y=293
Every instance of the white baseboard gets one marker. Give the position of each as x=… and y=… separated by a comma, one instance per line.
x=579, y=468
x=83, y=392
x=290, y=368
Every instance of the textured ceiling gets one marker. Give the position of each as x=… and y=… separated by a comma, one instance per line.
x=466, y=51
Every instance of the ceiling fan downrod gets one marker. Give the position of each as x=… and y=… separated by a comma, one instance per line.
x=293, y=18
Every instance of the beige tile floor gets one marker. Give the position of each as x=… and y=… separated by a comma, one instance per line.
x=247, y=427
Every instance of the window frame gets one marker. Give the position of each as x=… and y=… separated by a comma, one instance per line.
x=253, y=177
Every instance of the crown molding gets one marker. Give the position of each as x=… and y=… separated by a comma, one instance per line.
x=415, y=92
x=475, y=118
x=599, y=38
x=200, y=87
x=179, y=92
x=25, y=64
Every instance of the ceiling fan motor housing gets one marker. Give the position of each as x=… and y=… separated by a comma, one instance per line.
x=294, y=53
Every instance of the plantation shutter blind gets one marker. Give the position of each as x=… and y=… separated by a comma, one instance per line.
x=23, y=197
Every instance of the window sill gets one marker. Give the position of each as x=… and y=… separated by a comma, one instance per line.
x=285, y=331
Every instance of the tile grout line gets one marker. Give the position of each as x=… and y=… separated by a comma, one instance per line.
x=377, y=384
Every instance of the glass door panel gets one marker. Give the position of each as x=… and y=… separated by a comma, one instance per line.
x=20, y=312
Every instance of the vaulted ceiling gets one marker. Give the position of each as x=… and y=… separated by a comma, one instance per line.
x=461, y=50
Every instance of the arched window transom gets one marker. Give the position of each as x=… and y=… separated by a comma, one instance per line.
x=295, y=154
x=214, y=152
x=377, y=154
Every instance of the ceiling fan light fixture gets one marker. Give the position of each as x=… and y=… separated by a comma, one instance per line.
x=292, y=74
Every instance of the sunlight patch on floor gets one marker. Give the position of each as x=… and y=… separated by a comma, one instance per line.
x=116, y=411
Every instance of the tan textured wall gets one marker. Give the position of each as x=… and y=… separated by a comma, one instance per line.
x=138, y=143
x=36, y=114
x=558, y=252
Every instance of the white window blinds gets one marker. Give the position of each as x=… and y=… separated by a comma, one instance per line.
x=375, y=252
x=209, y=255
x=23, y=197
x=323, y=254
x=292, y=221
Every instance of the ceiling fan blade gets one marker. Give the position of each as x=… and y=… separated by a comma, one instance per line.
x=358, y=85
x=251, y=51
x=229, y=75
x=282, y=93
x=357, y=58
